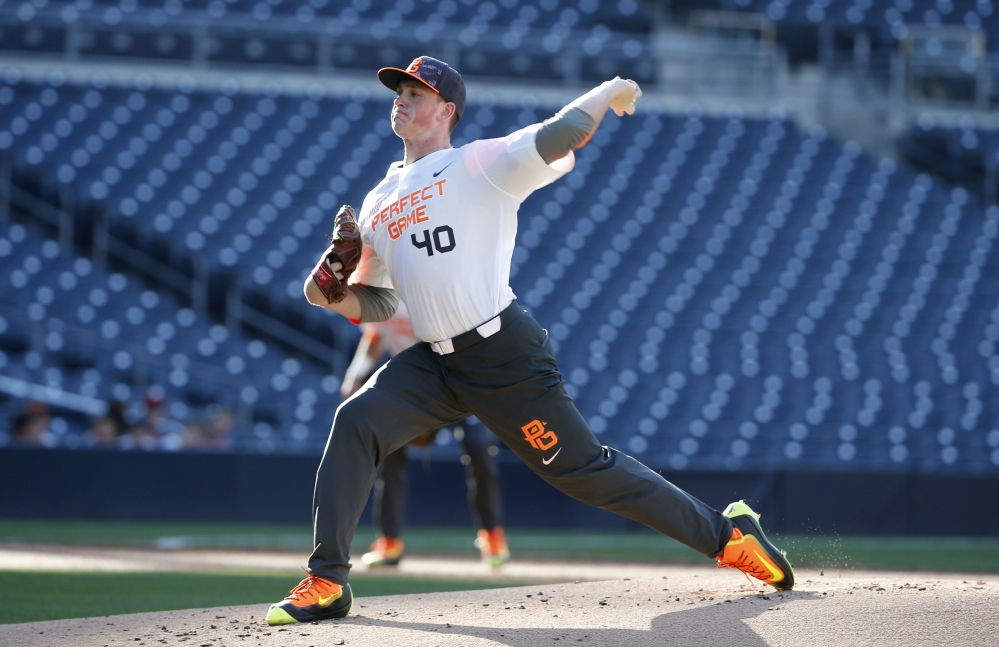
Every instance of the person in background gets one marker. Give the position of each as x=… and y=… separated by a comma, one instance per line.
x=481, y=472
x=107, y=429
x=31, y=424
x=213, y=433
x=144, y=434
x=155, y=430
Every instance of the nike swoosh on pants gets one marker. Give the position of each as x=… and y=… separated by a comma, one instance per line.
x=547, y=461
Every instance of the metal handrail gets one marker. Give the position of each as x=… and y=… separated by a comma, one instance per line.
x=87, y=338
x=195, y=288
x=52, y=395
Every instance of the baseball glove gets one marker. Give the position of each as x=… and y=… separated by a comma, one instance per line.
x=346, y=250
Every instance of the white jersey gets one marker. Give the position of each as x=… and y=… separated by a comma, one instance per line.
x=395, y=334
x=441, y=231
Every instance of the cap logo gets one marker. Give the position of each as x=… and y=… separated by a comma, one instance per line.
x=426, y=71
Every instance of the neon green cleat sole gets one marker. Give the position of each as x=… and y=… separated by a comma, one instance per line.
x=278, y=616
x=740, y=508
x=497, y=560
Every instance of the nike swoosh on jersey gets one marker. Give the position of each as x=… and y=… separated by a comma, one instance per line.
x=547, y=461
x=442, y=170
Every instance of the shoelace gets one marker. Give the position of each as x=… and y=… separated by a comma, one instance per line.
x=746, y=565
x=305, y=587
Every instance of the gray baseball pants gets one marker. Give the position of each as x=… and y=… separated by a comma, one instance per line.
x=511, y=382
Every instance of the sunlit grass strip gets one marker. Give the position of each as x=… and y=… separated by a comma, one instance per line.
x=979, y=555
x=27, y=596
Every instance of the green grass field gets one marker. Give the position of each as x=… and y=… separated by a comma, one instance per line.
x=980, y=555
x=28, y=596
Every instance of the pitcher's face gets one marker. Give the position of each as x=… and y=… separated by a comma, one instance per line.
x=417, y=111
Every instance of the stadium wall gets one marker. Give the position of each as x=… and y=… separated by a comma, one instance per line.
x=98, y=485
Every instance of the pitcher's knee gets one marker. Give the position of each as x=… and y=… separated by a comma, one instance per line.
x=355, y=411
x=352, y=424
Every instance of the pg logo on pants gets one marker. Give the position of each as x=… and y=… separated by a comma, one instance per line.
x=539, y=437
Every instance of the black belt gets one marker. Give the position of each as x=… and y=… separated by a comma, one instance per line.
x=477, y=334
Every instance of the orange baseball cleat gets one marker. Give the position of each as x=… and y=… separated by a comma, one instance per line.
x=314, y=598
x=749, y=550
x=492, y=546
x=386, y=551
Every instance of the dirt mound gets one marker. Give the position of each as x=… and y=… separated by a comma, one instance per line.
x=683, y=607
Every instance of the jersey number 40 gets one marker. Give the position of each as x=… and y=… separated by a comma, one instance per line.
x=443, y=240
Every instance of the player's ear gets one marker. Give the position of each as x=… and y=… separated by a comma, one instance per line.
x=447, y=111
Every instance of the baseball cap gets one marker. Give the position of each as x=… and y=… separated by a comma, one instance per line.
x=435, y=74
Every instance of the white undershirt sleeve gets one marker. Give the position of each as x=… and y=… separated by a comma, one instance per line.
x=513, y=165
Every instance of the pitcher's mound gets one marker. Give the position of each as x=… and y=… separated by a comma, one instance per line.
x=684, y=608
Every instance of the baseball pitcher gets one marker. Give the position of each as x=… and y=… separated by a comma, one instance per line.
x=438, y=232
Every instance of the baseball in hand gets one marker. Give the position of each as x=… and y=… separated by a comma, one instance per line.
x=335, y=268
x=628, y=93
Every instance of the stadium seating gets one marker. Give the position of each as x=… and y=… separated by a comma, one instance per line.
x=722, y=291
x=963, y=155
x=73, y=327
x=625, y=16
x=885, y=18
x=506, y=38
